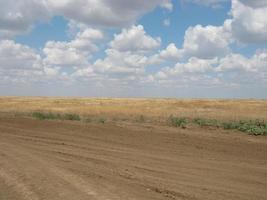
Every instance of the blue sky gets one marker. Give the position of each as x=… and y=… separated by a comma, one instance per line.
x=153, y=48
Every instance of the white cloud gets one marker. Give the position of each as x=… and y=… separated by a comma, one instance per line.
x=233, y=70
x=238, y=62
x=106, y=12
x=62, y=53
x=51, y=71
x=76, y=52
x=17, y=56
x=166, y=22
x=201, y=42
x=117, y=62
x=193, y=66
x=249, y=22
x=204, y=58
x=167, y=4
x=129, y=54
x=234, y=62
x=255, y=3
x=18, y=17
x=206, y=42
x=171, y=52
x=19, y=63
x=134, y=39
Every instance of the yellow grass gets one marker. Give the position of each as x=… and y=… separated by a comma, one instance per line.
x=129, y=109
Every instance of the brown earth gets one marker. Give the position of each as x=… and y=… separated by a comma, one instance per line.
x=54, y=160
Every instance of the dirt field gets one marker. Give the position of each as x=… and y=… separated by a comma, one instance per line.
x=52, y=160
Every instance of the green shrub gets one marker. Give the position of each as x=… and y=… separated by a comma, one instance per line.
x=72, y=117
x=141, y=119
x=53, y=116
x=88, y=120
x=177, y=121
x=206, y=122
x=252, y=127
x=256, y=127
x=43, y=116
x=230, y=125
x=101, y=120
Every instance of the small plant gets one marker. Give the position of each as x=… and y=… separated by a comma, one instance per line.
x=43, y=116
x=53, y=116
x=230, y=125
x=141, y=119
x=177, y=122
x=199, y=121
x=88, y=120
x=256, y=127
x=101, y=120
x=207, y=122
x=72, y=117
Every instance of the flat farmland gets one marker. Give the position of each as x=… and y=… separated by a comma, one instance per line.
x=130, y=109
x=124, y=149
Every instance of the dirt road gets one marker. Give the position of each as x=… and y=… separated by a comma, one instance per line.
x=54, y=160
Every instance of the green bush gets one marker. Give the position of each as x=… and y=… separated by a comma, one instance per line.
x=206, y=122
x=72, y=117
x=256, y=127
x=141, y=119
x=177, y=121
x=88, y=120
x=101, y=120
x=53, y=116
x=43, y=116
x=230, y=125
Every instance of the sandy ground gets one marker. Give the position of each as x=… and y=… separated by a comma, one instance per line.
x=54, y=160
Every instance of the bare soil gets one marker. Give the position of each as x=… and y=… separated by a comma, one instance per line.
x=55, y=160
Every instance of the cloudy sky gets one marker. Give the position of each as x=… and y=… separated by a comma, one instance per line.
x=126, y=48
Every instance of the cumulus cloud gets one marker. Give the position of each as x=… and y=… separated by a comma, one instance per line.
x=171, y=52
x=255, y=3
x=193, y=65
x=134, y=39
x=204, y=57
x=62, y=53
x=18, y=17
x=75, y=52
x=118, y=62
x=128, y=56
x=17, y=56
x=206, y=42
x=20, y=63
x=238, y=62
x=231, y=70
x=106, y=12
x=249, y=21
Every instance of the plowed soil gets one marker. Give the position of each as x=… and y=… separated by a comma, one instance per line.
x=55, y=160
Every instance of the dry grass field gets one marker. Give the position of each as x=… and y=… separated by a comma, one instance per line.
x=124, y=159
x=131, y=109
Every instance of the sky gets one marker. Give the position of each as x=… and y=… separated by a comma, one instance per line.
x=126, y=48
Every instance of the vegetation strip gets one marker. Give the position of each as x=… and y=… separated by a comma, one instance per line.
x=53, y=116
x=252, y=127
